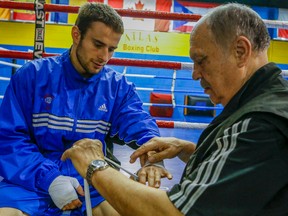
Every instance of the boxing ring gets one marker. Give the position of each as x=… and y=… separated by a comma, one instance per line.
x=189, y=129
x=116, y=61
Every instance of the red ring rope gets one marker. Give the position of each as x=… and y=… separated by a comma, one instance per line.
x=113, y=61
x=177, y=124
x=127, y=13
x=122, y=12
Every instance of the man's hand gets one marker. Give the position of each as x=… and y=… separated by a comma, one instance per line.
x=82, y=153
x=63, y=192
x=152, y=175
x=163, y=147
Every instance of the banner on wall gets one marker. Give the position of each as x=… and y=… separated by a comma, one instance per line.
x=201, y=8
x=26, y=15
x=190, y=8
x=144, y=5
x=141, y=5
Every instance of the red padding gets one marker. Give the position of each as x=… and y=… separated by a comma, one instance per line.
x=27, y=16
x=157, y=98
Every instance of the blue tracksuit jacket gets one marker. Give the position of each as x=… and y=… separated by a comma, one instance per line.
x=48, y=106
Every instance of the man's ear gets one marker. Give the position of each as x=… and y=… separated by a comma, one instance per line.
x=243, y=50
x=76, y=35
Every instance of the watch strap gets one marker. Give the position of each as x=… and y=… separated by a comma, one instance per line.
x=92, y=168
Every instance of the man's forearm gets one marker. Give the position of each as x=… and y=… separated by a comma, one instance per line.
x=132, y=198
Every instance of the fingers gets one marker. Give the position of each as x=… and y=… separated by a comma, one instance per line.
x=143, y=159
x=75, y=203
x=66, y=154
x=142, y=176
x=167, y=174
x=149, y=175
x=152, y=179
x=157, y=179
x=72, y=205
x=77, y=186
x=74, y=182
x=152, y=175
x=159, y=156
x=84, y=149
x=139, y=152
x=149, y=146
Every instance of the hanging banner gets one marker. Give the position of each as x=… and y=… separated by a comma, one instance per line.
x=39, y=29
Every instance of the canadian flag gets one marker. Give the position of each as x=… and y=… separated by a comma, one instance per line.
x=144, y=5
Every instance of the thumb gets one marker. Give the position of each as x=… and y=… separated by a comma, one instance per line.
x=80, y=190
x=168, y=175
x=75, y=183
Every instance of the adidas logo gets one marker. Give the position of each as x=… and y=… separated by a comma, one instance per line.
x=103, y=108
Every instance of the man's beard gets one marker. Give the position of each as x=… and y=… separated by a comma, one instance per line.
x=81, y=61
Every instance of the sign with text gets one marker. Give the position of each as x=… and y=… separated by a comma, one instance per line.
x=159, y=43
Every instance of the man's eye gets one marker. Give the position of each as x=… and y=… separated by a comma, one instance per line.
x=97, y=44
x=200, y=61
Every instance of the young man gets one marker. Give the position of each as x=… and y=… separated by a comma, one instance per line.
x=240, y=165
x=53, y=102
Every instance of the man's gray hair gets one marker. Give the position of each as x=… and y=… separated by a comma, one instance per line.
x=231, y=20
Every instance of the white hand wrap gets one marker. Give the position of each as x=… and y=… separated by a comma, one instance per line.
x=158, y=164
x=62, y=190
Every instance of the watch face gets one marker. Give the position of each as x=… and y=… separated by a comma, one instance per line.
x=98, y=163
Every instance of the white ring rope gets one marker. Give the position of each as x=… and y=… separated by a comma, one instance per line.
x=177, y=124
x=5, y=78
x=155, y=76
x=173, y=88
x=190, y=125
x=168, y=90
x=187, y=66
x=10, y=64
x=276, y=24
x=284, y=73
x=185, y=106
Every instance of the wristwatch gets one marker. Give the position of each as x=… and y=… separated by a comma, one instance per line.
x=94, y=166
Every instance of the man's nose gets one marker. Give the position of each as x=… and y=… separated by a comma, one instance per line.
x=196, y=75
x=104, y=54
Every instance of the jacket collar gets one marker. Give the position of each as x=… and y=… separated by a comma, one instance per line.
x=251, y=89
